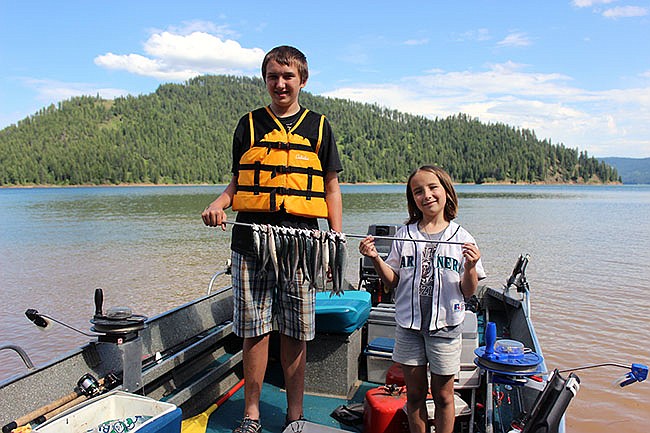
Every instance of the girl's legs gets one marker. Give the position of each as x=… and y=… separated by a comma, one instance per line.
x=442, y=390
x=416, y=397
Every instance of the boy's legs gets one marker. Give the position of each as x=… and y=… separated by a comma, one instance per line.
x=255, y=357
x=296, y=304
x=293, y=358
x=252, y=320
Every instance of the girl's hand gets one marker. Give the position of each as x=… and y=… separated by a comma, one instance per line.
x=471, y=254
x=367, y=247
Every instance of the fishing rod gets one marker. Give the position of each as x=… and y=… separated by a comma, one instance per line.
x=358, y=236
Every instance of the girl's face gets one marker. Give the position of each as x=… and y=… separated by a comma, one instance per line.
x=429, y=194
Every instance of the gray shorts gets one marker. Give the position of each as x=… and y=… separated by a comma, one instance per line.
x=414, y=348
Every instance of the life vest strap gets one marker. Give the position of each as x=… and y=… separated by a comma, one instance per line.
x=279, y=190
x=283, y=145
x=279, y=169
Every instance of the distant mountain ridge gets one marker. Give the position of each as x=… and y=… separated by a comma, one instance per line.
x=631, y=170
x=182, y=134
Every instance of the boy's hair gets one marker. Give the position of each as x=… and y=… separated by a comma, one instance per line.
x=451, y=205
x=288, y=56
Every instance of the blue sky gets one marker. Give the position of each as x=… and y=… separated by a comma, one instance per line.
x=575, y=71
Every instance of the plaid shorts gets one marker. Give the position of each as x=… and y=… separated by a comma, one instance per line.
x=259, y=303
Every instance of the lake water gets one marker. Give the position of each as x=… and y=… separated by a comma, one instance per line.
x=147, y=248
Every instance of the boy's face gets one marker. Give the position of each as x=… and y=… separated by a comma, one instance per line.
x=283, y=84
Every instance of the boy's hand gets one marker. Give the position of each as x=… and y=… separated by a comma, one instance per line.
x=214, y=216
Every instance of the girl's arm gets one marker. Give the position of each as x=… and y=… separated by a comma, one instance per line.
x=469, y=282
x=385, y=272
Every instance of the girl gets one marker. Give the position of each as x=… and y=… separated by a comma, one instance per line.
x=431, y=282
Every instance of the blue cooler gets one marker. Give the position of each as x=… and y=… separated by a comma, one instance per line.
x=117, y=411
x=342, y=314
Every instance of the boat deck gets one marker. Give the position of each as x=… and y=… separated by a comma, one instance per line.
x=317, y=409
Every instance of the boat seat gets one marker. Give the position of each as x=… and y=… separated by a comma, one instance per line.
x=333, y=355
x=469, y=374
x=342, y=314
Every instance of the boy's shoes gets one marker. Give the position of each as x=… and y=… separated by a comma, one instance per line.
x=295, y=423
x=249, y=425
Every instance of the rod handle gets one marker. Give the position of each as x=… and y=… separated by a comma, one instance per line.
x=99, y=302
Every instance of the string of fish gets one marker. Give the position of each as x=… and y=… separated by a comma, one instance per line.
x=312, y=251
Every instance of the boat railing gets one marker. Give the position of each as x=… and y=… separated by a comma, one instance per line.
x=21, y=352
x=227, y=271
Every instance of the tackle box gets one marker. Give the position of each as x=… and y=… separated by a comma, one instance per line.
x=381, y=321
x=342, y=314
x=379, y=354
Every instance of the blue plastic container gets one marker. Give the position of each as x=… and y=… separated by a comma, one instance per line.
x=382, y=344
x=342, y=314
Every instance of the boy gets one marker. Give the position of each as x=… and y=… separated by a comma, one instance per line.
x=266, y=142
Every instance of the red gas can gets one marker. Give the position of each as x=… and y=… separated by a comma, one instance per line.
x=395, y=375
x=384, y=410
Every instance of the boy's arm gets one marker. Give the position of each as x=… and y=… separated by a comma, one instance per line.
x=215, y=215
x=334, y=201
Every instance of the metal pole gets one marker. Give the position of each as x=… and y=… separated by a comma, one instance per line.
x=353, y=235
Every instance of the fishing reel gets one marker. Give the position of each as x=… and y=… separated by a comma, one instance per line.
x=517, y=278
x=118, y=325
x=89, y=386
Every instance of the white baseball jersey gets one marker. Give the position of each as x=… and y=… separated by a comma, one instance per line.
x=405, y=258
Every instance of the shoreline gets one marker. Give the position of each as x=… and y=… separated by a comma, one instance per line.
x=162, y=185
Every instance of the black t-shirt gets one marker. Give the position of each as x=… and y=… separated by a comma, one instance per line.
x=242, y=236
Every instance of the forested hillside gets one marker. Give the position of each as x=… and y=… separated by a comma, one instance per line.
x=182, y=133
x=631, y=170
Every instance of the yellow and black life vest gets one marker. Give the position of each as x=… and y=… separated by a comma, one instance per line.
x=282, y=167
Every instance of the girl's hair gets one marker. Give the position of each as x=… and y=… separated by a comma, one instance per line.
x=451, y=205
x=288, y=56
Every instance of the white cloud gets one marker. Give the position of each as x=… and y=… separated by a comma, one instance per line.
x=475, y=35
x=615, y=12
x=590, y=3
x=515, y=40
x=625, y=12
x=180, y=55
x=50, y=91
x=189, y=27
x=609, y=122
x=416, y=41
